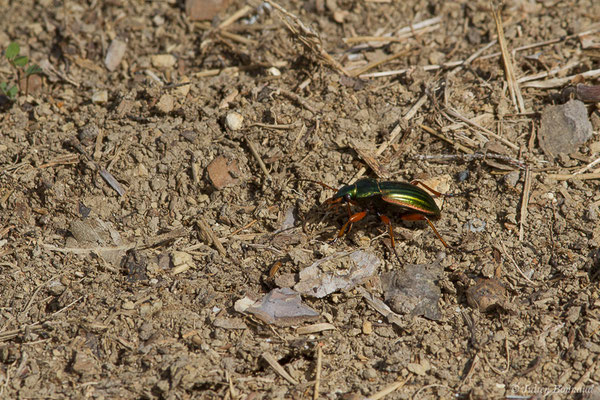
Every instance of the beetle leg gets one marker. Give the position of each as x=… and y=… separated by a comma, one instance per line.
x=353, y=218
x=349, y=216
x=387, y=221
x=421, y=217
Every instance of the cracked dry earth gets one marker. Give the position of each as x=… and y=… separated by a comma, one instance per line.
x=156, y=240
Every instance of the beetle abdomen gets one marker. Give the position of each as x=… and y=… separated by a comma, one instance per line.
x=410, y=197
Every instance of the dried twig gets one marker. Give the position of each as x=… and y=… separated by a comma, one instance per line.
x=210, y=234
x=585, y=93
x=298, y=99
x=587, y=167
x=274, y=126
x=257, y=157
x=235, y=16
x=146, y=244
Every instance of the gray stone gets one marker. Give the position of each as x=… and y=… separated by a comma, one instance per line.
x=564, y=128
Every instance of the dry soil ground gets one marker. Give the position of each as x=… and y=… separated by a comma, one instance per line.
x=132, y=296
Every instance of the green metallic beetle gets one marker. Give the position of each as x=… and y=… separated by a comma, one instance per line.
x=409, y=201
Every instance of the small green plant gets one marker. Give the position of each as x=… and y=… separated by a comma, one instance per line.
x=18, y=64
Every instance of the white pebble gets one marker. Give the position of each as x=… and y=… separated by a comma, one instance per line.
x=274, y=71
x=234, y=121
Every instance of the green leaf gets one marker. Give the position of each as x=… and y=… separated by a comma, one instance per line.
x=21, y=61
x=33, y=69
x=12, y=50
x=3, y=86
x=12, y=92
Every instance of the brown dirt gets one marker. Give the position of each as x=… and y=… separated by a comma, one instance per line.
x=157, y=320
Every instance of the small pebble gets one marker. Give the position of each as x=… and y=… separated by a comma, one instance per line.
x=55, y=288
x=163, y=61
x=100, y=97
x=417, y=369
x=475, y=225
x=463, y=175
x=189, y=135
x=87, y=134
x=165, y=103
x=274, y=71
x=367, y=327
x=158, y=20
x=369, y=373
x=592, y=213
x=512, y=178
x=115, y=54
x=181, y=258
x=563, y=128
x=234, y=121
x=128, y=305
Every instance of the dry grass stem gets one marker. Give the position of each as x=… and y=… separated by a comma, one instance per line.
x=315, y=328
x=496, y=370
x=477, y=56
x=235, y=16
x=524, y=202
x=274, y=126
x=452, y=112
x=446, y=139
x=318, y=371
x=395, y=133
x=309, y=38
x=559, y=82
x=575, y=176
x=376, y=63
x=402, y=34
x=389, y=389
x=278, y=368
x=589, y=166
x=546, y=74
x=474, y=156
x=513, y=86
x=514, y=263
x=239, y=38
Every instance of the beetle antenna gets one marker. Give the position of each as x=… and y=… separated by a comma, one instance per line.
x=317, y=182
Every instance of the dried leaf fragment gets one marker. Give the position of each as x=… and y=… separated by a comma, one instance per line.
x=281, y=307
